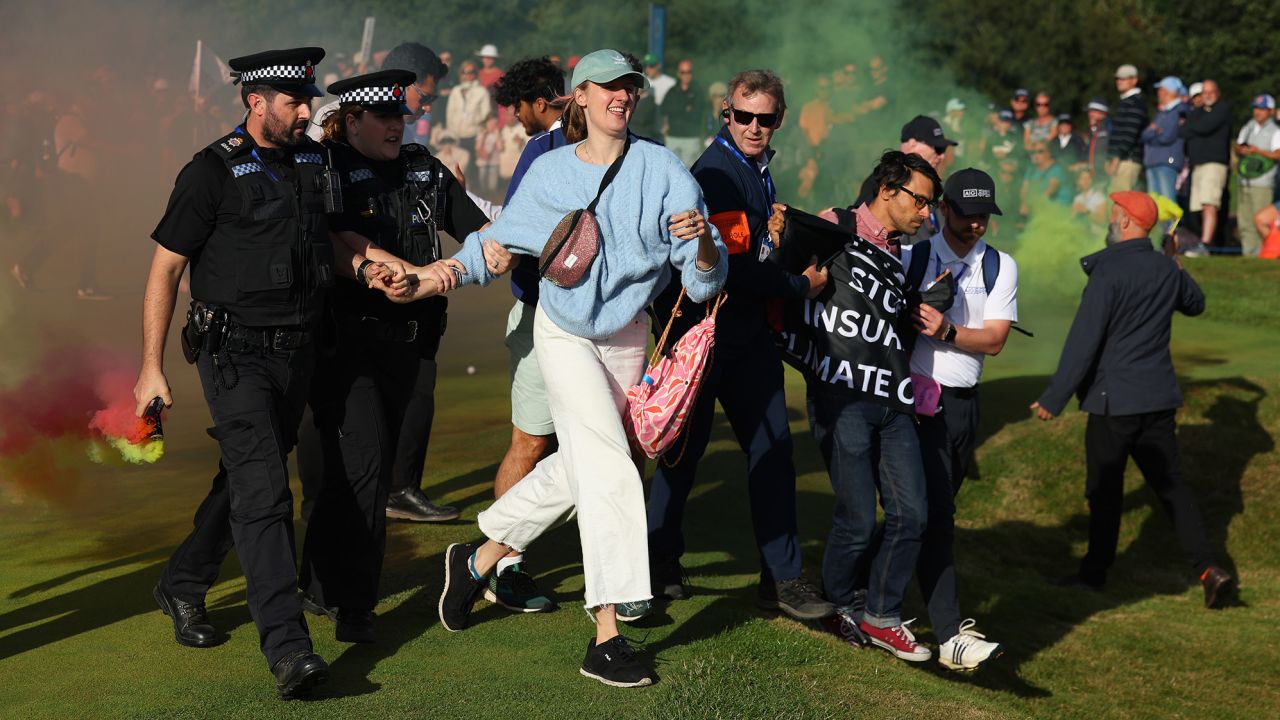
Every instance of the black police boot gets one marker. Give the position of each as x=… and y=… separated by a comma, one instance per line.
x=411, y=504
x=298, y=672
x=354, y=626
x=190, y=624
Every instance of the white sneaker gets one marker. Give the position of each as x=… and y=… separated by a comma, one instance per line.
x=967, y=649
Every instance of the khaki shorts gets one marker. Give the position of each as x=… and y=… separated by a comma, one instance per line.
x=1207, y=182
x=1126, y=177
x=530, y=412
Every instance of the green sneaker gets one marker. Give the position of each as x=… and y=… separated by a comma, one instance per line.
x=515, y=590
x=633, y=611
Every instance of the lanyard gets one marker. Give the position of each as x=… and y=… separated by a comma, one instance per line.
x=770, y=194
x=254, y=152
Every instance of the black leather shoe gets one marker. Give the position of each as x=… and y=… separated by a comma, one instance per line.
x=411, y=504
x=1217, y=583
x=354, y=626
x=298, y=673
x=190, y=624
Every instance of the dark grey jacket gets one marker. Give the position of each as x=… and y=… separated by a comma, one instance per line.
x=1116, y=358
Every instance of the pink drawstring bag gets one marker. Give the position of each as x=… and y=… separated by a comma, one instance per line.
x=928, y=394
x=659, y=405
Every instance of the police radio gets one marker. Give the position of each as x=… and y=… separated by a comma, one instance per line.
x=331, y=186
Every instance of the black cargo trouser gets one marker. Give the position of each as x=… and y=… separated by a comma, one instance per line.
x=368, y=409
x=256, y=398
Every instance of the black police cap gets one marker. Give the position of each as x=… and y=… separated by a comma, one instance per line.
x=381, y=91
x=292, y=71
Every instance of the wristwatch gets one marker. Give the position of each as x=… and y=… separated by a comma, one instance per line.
x=950, y=335
x=360, y=272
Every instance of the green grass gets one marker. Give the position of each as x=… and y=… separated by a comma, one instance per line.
x=80, y=636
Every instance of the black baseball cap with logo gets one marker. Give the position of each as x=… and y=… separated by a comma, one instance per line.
x=926, y=130
x=971, y=192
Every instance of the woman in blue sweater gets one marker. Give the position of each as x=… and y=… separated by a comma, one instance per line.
x=590, y=343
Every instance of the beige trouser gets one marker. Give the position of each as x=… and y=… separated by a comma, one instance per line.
x=592, y=472
x=1252, y=199
x=1126, y=177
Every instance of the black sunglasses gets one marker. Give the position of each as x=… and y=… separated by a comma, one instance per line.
x=767, y=120
x=424, y=97
x=920, y=200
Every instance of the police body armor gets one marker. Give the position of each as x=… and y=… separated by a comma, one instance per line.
x=406, y=217
x=271, y=265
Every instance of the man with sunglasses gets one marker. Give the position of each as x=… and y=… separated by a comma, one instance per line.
x=950, y=352
x=682, y=112
x=416, y=58
x=747, y=375
x=922, y=136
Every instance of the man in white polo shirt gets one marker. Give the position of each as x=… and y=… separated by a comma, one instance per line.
x=950, y=351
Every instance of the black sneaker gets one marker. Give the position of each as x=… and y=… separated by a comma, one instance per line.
x=515, y=590
x=354, y=626
x=460, y=588
x=615, y=663
x=796, y=597
x=667, y=581
x=412, y=504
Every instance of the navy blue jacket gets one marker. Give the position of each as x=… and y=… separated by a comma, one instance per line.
x=1116, y=358
x=731, y=186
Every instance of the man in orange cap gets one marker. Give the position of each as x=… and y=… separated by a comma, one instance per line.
x=1116, y=360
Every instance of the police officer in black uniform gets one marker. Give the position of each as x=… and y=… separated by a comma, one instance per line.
x=396, y=198
x=248, y=213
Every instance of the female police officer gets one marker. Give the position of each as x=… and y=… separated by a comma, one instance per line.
x=372, y=398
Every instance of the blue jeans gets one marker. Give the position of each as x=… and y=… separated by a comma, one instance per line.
x=867, y=446
x=1161, y=179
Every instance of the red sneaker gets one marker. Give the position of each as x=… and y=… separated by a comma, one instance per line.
x=897, y=640
x=843, y=626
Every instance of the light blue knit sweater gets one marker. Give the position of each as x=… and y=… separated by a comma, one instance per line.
x=637, y=253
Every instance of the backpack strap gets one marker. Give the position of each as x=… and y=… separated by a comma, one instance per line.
x=920, y=253
x=990, y=268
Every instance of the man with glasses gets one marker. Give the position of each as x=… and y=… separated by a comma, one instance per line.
x=417, y=59
x=922, y=136
x=1124, y=151
x=950, y=352
x=682, y=116
x=861, y=407
x=747, y=375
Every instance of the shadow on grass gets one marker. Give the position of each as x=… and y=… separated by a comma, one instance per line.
x=1030, y=614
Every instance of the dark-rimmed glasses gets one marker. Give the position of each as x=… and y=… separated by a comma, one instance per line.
x=921, y=200
x=744, y=118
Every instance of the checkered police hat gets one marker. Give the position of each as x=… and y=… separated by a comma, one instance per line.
x=292, y=71
x=383, y=90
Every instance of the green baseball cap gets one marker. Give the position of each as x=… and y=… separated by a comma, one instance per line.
x=605, y=66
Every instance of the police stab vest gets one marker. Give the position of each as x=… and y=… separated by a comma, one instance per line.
x=270, y=265
x=404, y=216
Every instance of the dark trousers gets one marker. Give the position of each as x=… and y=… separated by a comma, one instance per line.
x=868, y=447
x=947, y=443
x=363, y=408
x=1149, y=438
x=250, y=506
x=71, y=191
x=748, y=381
